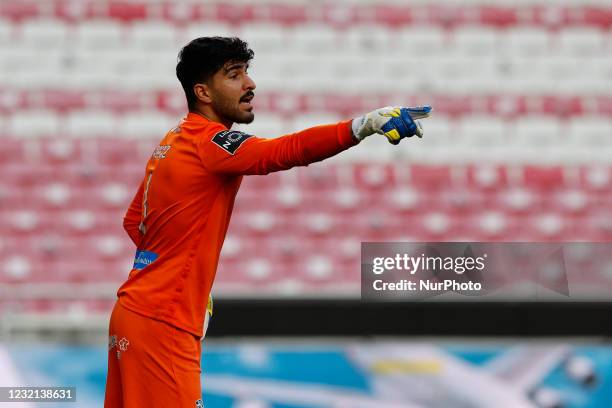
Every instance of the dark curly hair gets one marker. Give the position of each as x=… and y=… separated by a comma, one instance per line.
x=199, y=60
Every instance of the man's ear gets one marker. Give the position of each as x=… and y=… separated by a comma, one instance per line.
x=202, y=93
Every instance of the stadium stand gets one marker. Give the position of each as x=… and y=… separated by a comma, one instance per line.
x=521, y=131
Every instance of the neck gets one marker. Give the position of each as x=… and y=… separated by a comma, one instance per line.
x=211, y=115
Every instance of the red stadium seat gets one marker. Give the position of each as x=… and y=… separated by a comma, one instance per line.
x=430, y=177
x=543, y=178
x=596, y=178
x=116, y=151
x=374, y=177
x=487, y=177
x=19, y=10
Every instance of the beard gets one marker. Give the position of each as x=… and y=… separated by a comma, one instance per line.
x=229, y=109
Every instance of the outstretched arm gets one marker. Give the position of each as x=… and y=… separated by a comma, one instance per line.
x=235, y=152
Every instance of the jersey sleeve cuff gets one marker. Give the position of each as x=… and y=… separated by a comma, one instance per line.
x=346, y=137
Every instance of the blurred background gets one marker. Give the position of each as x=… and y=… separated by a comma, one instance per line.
x=519, y=149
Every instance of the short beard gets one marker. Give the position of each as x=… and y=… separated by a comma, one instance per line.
x=229, y=111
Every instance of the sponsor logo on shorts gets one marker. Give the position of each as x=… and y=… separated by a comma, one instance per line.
x=230, y=140
x=112, y=342
x=142, y=259
x=119, y=346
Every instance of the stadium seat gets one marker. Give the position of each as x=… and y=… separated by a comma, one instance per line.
x=493, y=224
x=430, y=177
x=580, y=41
x=90, y=124
x=371, y=39
x=543, y=178
x=80, y=221
x=24, y=221
x=317, y=223
x=487, y=177
x=313, y=38
x=115, y=195
x=99, y=34
x=401, y=200
x=422, y=39
x=549, y=226
x=347, y=199
x=153, y=35
x=6, y=32
x=483, y=131
x=374, y=176
x=60, y=151
x=520, y=40
x=517, y=199
x=31, y=124
x=596, y=178
x=43, y=34
x=116, y=151
x=572, y=201
x=538, y=131
x=289, y=198
x=268, y=125
x=258, y=269
x=55, y=195
x=265, y=38
x=593, y=131
x=15, y=268
x=206, y=28
x=262, y=222
x=146, y=125
x=475, y=40
x=305, y=121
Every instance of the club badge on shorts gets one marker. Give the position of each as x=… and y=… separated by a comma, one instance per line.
x=120, y=346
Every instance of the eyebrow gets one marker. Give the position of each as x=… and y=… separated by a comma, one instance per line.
x=236, y=66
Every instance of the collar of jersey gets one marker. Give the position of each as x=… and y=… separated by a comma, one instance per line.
x=193, y=117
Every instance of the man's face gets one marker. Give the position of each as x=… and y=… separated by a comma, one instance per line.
x=232, y=91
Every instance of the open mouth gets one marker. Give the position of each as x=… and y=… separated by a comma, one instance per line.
x=247, y=99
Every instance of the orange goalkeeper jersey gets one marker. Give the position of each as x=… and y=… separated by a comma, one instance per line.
x=180, y=214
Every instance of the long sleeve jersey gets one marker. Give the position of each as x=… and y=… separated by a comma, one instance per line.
x=180, y=214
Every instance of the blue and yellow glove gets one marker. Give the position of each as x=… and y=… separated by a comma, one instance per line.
x=396, y=123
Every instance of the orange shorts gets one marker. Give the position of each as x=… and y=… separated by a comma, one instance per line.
x=151, y=363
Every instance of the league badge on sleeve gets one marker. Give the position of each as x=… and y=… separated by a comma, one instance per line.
x=230, y=140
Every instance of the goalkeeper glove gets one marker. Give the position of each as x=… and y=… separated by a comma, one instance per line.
x=395, y=123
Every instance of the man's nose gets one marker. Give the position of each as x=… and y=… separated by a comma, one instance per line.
x=249, y=83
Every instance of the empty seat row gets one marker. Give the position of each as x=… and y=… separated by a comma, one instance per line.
x=52, y=259
x=109, y=166
x=392, y=13
x=267, y=37
x=372, y=79
x=99, y=124
x=20, y=206
x=279, y=105
x=124, y=61
x=102, y=136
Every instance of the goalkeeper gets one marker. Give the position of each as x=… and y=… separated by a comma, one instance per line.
x=180, y=214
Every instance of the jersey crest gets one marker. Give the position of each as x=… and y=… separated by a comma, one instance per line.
x=230, y=140
x=161, y=151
